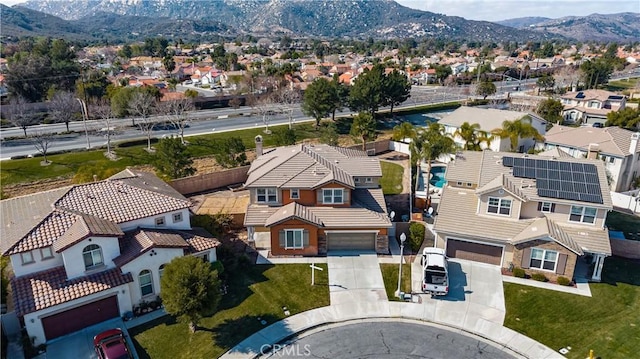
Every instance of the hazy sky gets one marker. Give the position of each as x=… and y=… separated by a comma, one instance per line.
x=494, y=10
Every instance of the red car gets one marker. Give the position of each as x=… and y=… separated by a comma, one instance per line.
x=111, y=344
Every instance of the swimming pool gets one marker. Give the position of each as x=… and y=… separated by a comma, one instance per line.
x=437, y=176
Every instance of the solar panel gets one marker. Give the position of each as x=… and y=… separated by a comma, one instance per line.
x=566, y=186
x=554, y=174
x=530, y=163
x=591, y=178
x=564, y=166
x=518, y=161
x=507, y=161
x=542, y=183
x=530, y=172
x=541, y=164
x=578, y=176
x=577, y=167
x=580, y=95
x=542, y=173
x=566, y=176
x=580, y=187
x=553, y=165
x=555, y=185
x=518, y=171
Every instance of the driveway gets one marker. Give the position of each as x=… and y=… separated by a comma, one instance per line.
x=475, y=289
x=355, y=277
x=80, y=343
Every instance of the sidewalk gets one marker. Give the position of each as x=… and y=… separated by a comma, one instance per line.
x=580, y=289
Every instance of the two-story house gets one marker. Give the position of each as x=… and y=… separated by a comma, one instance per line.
x=310, y=199
x=490, y=119
x=619, y=150
x=87, y=253
x=590, y=106
x=538, y=213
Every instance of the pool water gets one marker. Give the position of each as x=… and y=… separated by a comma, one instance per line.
x=437, y=176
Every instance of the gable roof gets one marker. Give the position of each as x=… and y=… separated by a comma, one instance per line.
x=310, y=166
x=488, y=118
x=545, y=227
x=290, y=211
x=86, y=226
x=587, y=95
x=611, y=140
x=45, y=289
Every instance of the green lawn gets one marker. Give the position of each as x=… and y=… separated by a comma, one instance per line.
x=391, y=180
x=257, y=291
x=608, y=323
x=390, y=277
x=629, y=224
x=622, y=84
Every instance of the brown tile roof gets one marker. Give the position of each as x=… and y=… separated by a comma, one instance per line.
x=147, y=181
x=48, y=288
x=611, y=140
x=86, y=226
x=20, y=215
x=293, y=210
x=118, y=201
x=45, y=233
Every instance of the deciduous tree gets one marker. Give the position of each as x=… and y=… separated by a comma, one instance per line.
x=190, y=289
x=64, y=107
x=143, y=105
x=41, y=141
x=19, y=113
x=485, y=88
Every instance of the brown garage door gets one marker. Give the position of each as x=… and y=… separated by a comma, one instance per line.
x=81, y=317
x=351, y=241
x=474, y=251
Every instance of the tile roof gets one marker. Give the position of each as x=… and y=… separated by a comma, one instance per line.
x=545, y=227
x=147, y=181
x=488, y=118
x=611, y=140
x=350, y=217
x=257, y=214
x=45, y=289
x=555, y=152
x=587, y=95
x=290, y=211
x=86, y=226
x=465, y=168
x=139, y=241
x=310, y=166
x=44, y=234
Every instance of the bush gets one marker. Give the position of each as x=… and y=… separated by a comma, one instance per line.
x=416, y=236
x=539, y=277
x=564, y=281
x=518, y=272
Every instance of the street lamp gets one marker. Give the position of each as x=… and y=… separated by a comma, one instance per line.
x=83, y=109
x=403, y=237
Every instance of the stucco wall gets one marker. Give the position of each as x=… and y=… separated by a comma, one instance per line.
x=551, y=245
x=310, y=250
x=74, y=262
x=209, y=181
x=38, y=265
x=515, y=204
x=150, y=222
x=33, y=321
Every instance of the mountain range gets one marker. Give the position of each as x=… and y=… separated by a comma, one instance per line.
x=136, y=19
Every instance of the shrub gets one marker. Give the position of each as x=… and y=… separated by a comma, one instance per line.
x=539, y=277
x=518, y=272
x=416, y=236
x=564, y=280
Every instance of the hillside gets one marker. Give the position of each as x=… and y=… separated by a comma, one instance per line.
x=523, y=22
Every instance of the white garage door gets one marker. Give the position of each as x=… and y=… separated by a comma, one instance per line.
x=351, y=241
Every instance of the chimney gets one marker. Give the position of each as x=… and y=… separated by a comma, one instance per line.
x=633, y=147
x=594, y=149
x=258, y=140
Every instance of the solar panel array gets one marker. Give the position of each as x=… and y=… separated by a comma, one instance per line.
x=557, y=179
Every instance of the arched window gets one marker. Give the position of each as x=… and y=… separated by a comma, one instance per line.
x=92, y=255
x=160, y=270
x=146, y=283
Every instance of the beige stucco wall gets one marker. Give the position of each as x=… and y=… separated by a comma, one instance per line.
x=515, y=204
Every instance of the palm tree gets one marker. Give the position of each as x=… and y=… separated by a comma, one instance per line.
x=403, y=131
x=429, y=145
x=472, y=136
x=515, y=130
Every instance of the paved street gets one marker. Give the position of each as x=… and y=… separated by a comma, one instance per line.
x=391, y=339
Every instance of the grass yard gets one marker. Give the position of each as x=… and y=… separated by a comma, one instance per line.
x=390, y=277
x=391, y=180
x=622, y=84
x=629, y=224
x=608, y=323
x=257, y=292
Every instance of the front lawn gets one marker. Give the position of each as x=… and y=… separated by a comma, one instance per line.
x=255, y=293
x=391, y=180
x=608, y=323
x=390, y=277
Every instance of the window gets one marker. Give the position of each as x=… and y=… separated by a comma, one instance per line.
x=92, y=255
x=459, y=183
x=543, y=259
x=369, y=180
x=27, y=257
x=499, y=206
x=611, y=159
x=294, y=193
x=293, y=239
x=356, y=179
x=265, y=195
x=583, y=214
x=332, y=196
x=546, y=207
x=146, y=282
x=468, y=184
x=160, y=222
x=161, y=270
x=46, y=253
x=177, y=217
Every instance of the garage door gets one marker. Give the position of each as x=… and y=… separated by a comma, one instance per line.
x=474, y=251
x=351, y=241
x=75, y=319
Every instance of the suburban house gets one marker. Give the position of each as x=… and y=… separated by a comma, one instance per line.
x=542, y=214
x=491, y=119
x=590, y=106
x=619, y=150
x=87, y=253
x=310, y=199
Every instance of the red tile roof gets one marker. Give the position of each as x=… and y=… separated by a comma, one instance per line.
x=45, y=289
x=84, y=227
x=45, y=233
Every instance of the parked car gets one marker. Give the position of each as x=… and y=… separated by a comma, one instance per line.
x=111, y=344
x=598, y=125
x=435, y=270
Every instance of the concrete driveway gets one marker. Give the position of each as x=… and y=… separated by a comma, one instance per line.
x=80, y=343
x=475, y=290
x=355, y=277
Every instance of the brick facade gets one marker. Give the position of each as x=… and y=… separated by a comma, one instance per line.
x=551, y=245
x=382, y=244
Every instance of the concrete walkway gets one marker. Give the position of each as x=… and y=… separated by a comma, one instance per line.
x=580, y=288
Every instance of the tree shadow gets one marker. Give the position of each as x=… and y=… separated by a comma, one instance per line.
x=233, y=331
x=238, y=281
x=621, y=270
